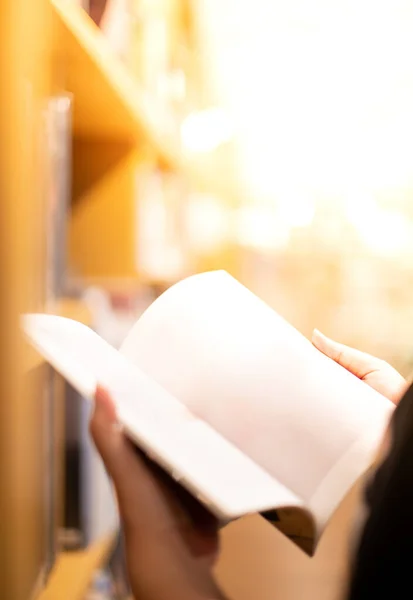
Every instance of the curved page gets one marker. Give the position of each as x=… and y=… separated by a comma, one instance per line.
x=213, y=469
x=239, y=366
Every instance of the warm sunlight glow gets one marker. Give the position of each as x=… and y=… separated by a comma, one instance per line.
x=204, y=131
x=207, y=223
x=384, y=232
x=260, y=228
x=296, y=209
x=321, y=93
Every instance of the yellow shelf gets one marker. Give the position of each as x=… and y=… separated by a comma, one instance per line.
x=71, y=308
x=66, y=307
x=108, y=102
x=73, y=572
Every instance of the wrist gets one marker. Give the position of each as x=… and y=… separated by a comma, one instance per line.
x=158, y=573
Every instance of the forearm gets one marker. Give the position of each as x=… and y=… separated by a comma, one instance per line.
x=173, y=592
x=165, y=585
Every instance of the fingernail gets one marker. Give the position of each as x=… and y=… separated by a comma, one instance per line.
x=318, y=337
x=104, y=405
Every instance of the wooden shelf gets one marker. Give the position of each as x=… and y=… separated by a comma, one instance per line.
x=70, y=308
x=108, y=102
x=73, y=572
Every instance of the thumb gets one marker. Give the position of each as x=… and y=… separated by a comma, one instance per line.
x=122, y=463
x=359, y=363
x=103, y=428
x=139, y=501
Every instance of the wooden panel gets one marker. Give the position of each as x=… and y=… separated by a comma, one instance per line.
x=73, y=571
x=23, y=69
x=101, y=237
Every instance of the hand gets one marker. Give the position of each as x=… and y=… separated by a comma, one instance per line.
x=375, y=372
x=171, y=540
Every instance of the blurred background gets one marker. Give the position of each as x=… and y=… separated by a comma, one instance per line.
x=145, y=140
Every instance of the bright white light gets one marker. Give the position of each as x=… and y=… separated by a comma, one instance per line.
x=205, y=130
x=297, y=210
x=260, y=228
x=384, y=232
x=308, y=104
x=207, y=223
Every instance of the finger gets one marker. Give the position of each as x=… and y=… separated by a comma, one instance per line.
x=102, y=425
x=359, y=363
x=151, y=503
x=145, y=498
x=149, y=499
x=132, y=479
x=200, y=517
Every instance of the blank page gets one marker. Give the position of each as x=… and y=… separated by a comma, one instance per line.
x=212, y=468
x=237, y=364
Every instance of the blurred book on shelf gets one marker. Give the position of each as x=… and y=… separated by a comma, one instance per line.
x=115, y=23
x=113, y=17
x=96, y=9
x=58, y=143
x=161, y=253
x=164, y=58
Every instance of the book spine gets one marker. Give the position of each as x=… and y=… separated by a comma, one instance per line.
x=58, y=133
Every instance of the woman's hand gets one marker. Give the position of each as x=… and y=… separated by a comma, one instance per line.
x=171, y=540
x=375, y=372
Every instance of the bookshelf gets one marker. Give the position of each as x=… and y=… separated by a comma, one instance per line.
x=23, y=84
x=115, y=132
x=109, y=103
x=116, y=136
x=73, y=571
x=55, y=47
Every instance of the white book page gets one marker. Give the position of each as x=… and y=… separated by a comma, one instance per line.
x=243, y=369
x=212, y=468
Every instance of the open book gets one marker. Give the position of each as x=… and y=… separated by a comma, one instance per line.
x=231, y=400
